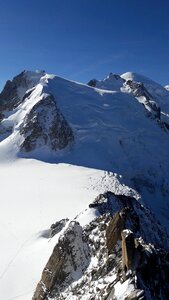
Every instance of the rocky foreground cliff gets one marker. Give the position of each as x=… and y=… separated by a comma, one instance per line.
x=121, y=254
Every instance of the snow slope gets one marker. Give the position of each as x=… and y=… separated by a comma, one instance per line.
x=112, y=82
x=112, y=135
x=33, y=196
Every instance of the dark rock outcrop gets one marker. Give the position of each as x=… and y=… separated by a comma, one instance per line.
x=108, y=252
x=137, y=217
x=138, y=90
x=70, y=258
x=13, y=93
x=58, y=226
x=113, y=232
x=128, y=249
x=45, y=125
x=92, y=82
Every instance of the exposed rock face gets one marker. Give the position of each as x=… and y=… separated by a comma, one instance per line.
x=14, y=91
x=58, y=226
x=138, y=90
x=110, y=256
x=68, y=261
x=45, y=125
x=147, y=263
x=113, y=232
x=10, y=97
x=92, y=82
x=128, y=249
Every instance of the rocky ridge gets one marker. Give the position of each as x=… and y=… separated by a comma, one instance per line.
x=138, y=90
x=15, y=91
x=121, y=254
x=44, y=125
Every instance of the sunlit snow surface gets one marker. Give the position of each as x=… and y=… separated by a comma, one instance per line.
x=113, y=135
x=34, y=195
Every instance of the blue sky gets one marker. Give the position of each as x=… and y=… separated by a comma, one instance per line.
x=82, y=39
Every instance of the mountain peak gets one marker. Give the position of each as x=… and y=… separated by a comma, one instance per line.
x=111, y=82
x=108, y=142
x=15, y=89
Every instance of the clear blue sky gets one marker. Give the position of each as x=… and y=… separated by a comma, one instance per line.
x=82, y=39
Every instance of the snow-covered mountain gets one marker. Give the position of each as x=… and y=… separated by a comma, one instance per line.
x=62, y=144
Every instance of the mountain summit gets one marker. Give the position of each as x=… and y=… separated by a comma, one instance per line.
x=93, y=159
